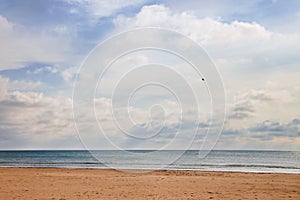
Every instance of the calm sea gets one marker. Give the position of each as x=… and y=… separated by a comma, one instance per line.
x=243, y=161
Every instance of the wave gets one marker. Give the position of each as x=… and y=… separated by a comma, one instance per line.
x=176, y=165
x=53, y=163
x=237, y=166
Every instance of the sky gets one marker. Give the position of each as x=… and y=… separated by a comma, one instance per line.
x=254, y=46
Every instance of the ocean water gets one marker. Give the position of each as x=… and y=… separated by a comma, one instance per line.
x=241, y=161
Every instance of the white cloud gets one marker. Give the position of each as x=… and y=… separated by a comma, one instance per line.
x=32, y=120
x=23, y=85
x=20, y=46
x=3, y=86
x=103, y=8
x=266, y=134
x=228, y=43
x=205, y=30
x=44, y=69
x=7, y=85
x=270, y=102
x=68, y=74
x=26, y=99
x=5, y=25
x=60, y=29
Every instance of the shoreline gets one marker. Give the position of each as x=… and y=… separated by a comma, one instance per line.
x=151, y=170
x=64, y=183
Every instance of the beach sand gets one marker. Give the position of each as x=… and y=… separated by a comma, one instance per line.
x=32, y=183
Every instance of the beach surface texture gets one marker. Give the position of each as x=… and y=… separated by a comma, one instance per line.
x=43, y=183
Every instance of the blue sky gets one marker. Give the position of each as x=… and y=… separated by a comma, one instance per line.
x=254, y=44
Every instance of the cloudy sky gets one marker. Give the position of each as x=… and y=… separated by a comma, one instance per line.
x=254, y=45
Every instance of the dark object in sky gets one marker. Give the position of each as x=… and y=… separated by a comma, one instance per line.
x=203, y=79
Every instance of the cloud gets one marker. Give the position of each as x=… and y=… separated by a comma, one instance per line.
x=241, y=111
x=248, y=104
x=227, y=42
x=225, y=9
x=7, y=85
x=20, y=99
x=127, y=125
x=31, y=120
x=44, y=69
x=203, y=30
x=5, y=25
x=169, y=136
x=276, y=129
x=244, y=105
x=103, y=8
x=296, y=121
x=20, y=46
x=267, y=134
x=3, y=86
x=69, y=74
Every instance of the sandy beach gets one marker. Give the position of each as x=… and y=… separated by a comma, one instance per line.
x=41, y=183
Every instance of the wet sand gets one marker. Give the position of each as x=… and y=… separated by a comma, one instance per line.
x=40, y=183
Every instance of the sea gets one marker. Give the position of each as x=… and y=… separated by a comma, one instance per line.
x=216, y=160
